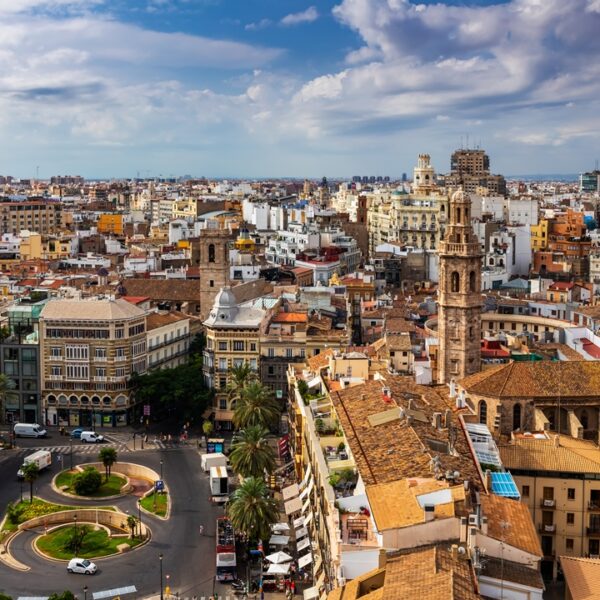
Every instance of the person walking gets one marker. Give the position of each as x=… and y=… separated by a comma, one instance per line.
x=201, y=529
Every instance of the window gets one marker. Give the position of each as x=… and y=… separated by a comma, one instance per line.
x=56, y=371
x=223, y=404
x=525, y=491
x=121, y=372
x=222, y=364
x=271, y=352
x=211, y=283
x=253, y=364
x=100, y=353
x=252, y=347
x=482, y=411
x=238, y=362
x=571, y=493
x=77, y=371
x=211, y=253
x=583, y=419
x=454, y=281
x=289, y=352
x=120, y=333
x=120, y=352
x=569, y=543
x=100, y=372
x=137, y=329
x=472, y=281
x=302, y=353
x=55, y=352
x=570, y=518
x=548, y=495
x=238, y=346
x=516, y=417
x=223, y=382
x=77, y=352
x=222, y=345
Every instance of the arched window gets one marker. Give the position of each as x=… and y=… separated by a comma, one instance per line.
x=583, y=419
x=473, y=281
x=211, y=253
x=482, y=411
x=458, y=215
x=516, y=417
x=455, y=281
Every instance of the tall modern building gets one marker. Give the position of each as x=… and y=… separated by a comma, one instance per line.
x=470, y=169
x=589, y=182
x=460, y=300
x=470, y=162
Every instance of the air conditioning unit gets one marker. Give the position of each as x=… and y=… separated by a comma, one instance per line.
x=473, y=521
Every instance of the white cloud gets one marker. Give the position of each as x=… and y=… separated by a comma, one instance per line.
x=306, y=16
x=262, y=24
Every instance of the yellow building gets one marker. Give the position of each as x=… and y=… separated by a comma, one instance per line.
x=539, y=235
x=110, y=223
x=31, y=245
x=559, y=480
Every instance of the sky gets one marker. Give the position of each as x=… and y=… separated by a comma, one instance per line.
x=299, y=88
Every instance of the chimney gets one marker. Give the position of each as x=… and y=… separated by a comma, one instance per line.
x=452, y=388
x=454, y=551
x=429, y=512
x=382, y=558
x=437, y=420
x=557, y=441
x=484, y=525
x=447, y=418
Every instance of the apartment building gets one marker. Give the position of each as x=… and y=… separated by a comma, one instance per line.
x=559, y=480
x=42, y=216
x=89, y=349
x=169, y=339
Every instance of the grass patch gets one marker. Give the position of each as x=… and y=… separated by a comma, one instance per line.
x=95, y=544
x=23, y=511
x=112, y=487
x=161, y=504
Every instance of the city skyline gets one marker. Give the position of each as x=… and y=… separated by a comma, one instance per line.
x=167, y=87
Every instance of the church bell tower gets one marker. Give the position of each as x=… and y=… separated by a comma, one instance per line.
x=460, y=301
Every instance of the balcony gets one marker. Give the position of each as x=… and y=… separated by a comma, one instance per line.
x=594, y=530
x=100, y=378
x=594, y=505
x=545, y=529
x=120, y=358
x=548, y=503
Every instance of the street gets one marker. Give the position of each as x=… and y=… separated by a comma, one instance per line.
x=189, y=559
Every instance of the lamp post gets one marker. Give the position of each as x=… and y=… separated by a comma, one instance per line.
x=161, y=468
x=21, y=481
x=85, y=589
x=160, y=558
x=140, y=515
x=71, y=453
x=76, y=539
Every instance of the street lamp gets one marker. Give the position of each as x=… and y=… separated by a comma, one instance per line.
x=85, y=589
x=21, y=490
x=140, y=515
x=160, y=558
x=71, y=444
x=161, y=468
x=75, y=536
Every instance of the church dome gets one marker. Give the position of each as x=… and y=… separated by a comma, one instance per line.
x=460, y=196
x=225, y=299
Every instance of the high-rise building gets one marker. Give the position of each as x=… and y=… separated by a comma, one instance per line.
x=470, y=169
x=40, y=215
x=589, y=183
x=470, y=162
x=460, y=299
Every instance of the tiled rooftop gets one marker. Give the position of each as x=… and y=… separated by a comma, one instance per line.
x=582, y=576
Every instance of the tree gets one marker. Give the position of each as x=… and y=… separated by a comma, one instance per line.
x=207, y=429
x=30, y=473
x=132, y=524
x=75, y=540
x=239, y=377
x=108, y=457
x=251, y=454
x=252, y=510
x=5, y=597
x=256, y=406
x=6, y=384
x=66, y=595
x=87, y=482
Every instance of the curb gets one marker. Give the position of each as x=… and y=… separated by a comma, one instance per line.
x=127, y=487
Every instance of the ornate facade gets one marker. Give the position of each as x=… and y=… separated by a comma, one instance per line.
x=460, y=300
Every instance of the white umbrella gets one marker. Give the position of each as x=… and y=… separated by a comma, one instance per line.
x=279, y=540
x=279, y=557
x=278, y=569
x=280, y=527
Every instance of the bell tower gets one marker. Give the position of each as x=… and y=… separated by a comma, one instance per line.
x=214, y=266
x=460, y=301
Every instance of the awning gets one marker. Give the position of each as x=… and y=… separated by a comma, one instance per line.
x=305, y=560
x=224, y=415
x=311, y=593
x=308, y=489
x=279, y=540
x=299, y=522
x=291, y=491
x=278, y=527
x=278, y=569
x=314, y=382
x=278, y=558
x=302, y=532
x=130, y=589
x=318, y=563
x=308, y=518
x=321, y=579
x=306, y=476
x=305, y=505
x=292, y=506
x=303, y=544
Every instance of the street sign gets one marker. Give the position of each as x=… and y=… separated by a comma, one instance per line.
x=146, y=410
x=159, y=485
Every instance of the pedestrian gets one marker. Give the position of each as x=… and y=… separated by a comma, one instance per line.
x=293, y=588
x=201, y=529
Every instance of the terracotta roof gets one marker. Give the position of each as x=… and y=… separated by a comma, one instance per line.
x=164, y=289
x=571, y=456
x=589, y=311
x=290, y=317
x=319, y=361
x=582, y=576
x=90, y=310
x=521, y=532
x=511, y=571
x=399, y=342
x=400, y=449
x=136, y=299
x=544, y=379
x=156, y=320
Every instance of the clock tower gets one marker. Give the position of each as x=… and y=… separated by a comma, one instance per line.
x=460, y=301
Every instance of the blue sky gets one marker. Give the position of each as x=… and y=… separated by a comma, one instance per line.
x=255, y=88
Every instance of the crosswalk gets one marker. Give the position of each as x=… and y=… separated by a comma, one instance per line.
x=93, y=449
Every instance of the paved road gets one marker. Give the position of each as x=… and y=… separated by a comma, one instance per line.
x=189, y=559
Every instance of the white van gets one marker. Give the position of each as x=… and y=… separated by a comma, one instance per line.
x=91, y=437
x=29, y=430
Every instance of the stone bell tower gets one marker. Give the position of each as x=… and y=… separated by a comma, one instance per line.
x=460, y=301
x=214, y=265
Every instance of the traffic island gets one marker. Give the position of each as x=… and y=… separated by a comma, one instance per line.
x=88, y=482
x=156, y=504
x=85, y=541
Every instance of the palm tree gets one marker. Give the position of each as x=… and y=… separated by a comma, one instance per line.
x=207, y=429
x=239, y=377
x=108, y=457
x=252, y=510
x=132, y=524
x=251, y=454
x=30, y=473
x=256, y=406
x=6, y=384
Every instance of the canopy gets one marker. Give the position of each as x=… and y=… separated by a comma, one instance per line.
x=278, y=569
x=302, y=544
x=306, y=476
x=291, y=491
x=279, y=540
x=280, y=527
x=308, y=518
x=292, y=506
x=299, y=522
x=302, y=532
x=311, y=593
x=279, y=557
x=305, y=560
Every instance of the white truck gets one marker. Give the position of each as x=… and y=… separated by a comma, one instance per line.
x=42, y=458
x=219, y=481
x=214, y=459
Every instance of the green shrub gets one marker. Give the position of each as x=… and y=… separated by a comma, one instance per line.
x=5, y=597
x=66, y=595
x=87, y=482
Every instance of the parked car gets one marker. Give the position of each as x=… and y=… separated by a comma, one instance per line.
x=81, y=565
x=29, y=430
x=91, y=437
x=76, y=433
